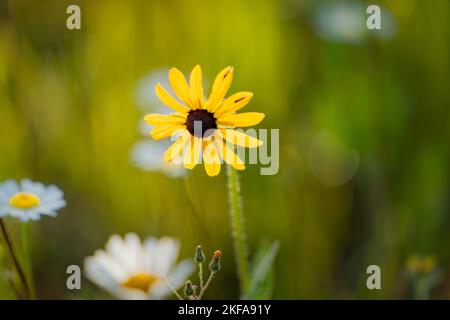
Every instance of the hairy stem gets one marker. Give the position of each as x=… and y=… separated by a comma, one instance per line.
x=237, y=227
x=202, y=291
x=200, y=274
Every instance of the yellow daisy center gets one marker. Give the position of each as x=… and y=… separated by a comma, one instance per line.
x=24, y=200
x=140, y=281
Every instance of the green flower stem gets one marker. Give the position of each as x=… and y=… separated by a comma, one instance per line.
x=200, y=274
x=237, y=227
x=27, y=258
x=421, y=288
x=12, y=257
x=202, y=291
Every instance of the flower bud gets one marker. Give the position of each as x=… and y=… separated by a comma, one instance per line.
x=214, y=265
x=199, y=255
x=189, y=289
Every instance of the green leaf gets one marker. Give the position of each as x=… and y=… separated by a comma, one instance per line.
x=261, y=272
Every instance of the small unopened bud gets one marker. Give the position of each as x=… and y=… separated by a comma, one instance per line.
x=199, y=255
x=189, y=289
x=214, y=265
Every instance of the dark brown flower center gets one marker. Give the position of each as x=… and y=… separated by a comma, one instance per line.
x=199, y=122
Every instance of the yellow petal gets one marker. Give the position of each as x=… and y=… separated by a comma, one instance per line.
x=168, y=100
x=234, y=103
x=177, y=147
x=159, y=119
x=192, y=154
x=211, y=160
x=245, y=119
x=239, y=138
x=196, y=84
x=164, y=131
x=229, y=155
x=220, y=87
x=180, y=86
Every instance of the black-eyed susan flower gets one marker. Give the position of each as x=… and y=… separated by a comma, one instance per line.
x=204, y=127
x=134, y=270
x=29, y=200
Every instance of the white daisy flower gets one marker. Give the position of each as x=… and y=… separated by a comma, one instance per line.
x=147, y=99
x=346, y=22
x=29, y=200
x=132, y=270
x=145, y=154
x=148, y=155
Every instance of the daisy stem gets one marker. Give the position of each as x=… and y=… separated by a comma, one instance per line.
x=237, y=226
x=200, y=274
x=12, y=256
x=27, y=258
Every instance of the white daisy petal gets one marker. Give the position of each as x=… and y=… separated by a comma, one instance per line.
x=33, y=216
x=117, y=248
x=54, y=205
x=167, y=253
x=9, y=187
x=136, y=251
x=24, y=218
x=151, y=258
x=178, y=275
x=131, y=294
x=52, y=193
x=96, y=272
x=110, y=265
x=32, y=187
x=51, y=213
x=176, y=278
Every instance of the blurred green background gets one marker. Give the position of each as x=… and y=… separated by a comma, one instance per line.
x=364, y=135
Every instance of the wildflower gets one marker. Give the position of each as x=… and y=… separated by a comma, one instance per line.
x=421, y=265
x=148, y=156
x=345, y=22
x=189, y=289
x=214, y=265
x=203, y=126
x=199, y=255
x=424, y=275
x=130, y=269
x=29, y=200
x=147, y=100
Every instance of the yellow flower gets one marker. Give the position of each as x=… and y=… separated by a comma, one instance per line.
x=204, y=126
x=421, y=265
